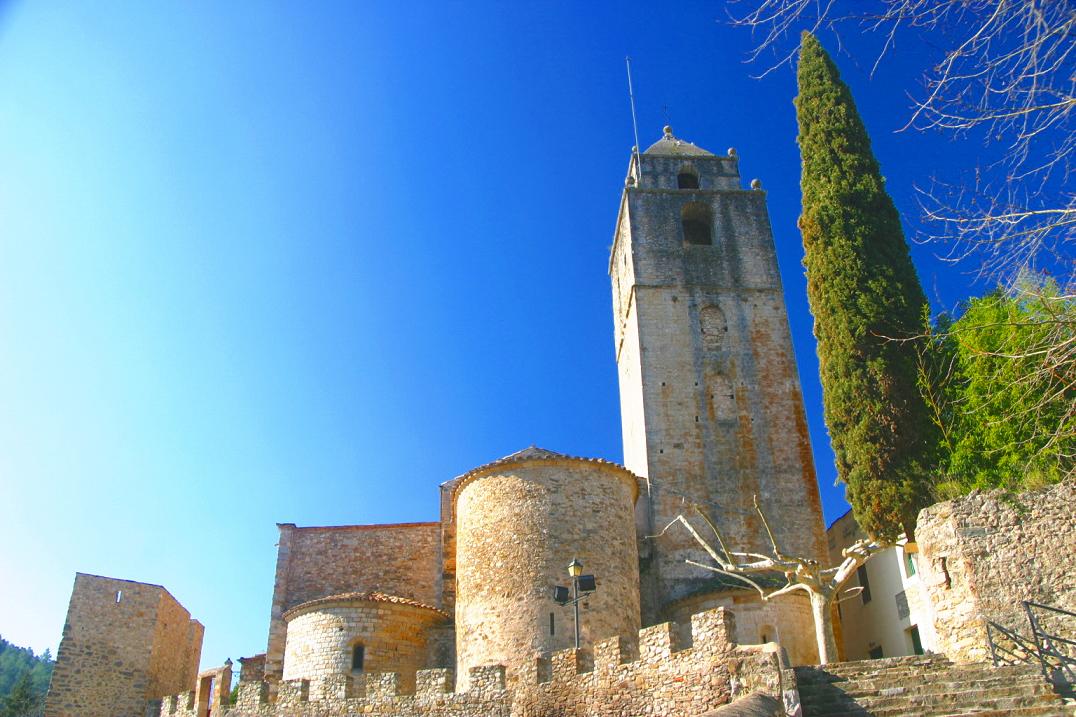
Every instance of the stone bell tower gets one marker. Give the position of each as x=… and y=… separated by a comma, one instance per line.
x=709, y=392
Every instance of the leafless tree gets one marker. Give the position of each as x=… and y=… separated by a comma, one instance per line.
x=1003, y=73
x=821, y=584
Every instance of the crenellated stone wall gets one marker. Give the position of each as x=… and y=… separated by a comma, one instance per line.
x=786, y=620
x=985, y=553
x=663, y=670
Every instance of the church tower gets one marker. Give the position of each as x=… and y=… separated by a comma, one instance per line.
x=709, y=392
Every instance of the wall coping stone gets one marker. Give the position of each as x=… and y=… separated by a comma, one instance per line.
x=349, y=600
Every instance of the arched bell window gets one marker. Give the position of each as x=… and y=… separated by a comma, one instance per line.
x=687, y=179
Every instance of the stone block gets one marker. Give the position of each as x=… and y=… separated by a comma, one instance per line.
x=713, y=631
x=382, y=685
x=486, y=679
x=658, y=642
x=252, y=695
x=293, y=692
x=434, y=682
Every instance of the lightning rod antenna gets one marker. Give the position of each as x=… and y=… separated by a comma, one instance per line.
x=634, y=122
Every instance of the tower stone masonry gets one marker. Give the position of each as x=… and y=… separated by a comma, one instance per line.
x=710, y=398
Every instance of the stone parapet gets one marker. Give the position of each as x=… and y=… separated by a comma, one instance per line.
x=985, y=553
x=663, y=669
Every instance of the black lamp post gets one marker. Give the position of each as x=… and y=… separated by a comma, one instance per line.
x=582, y=585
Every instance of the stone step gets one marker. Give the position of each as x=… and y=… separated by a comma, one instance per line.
x=883, y=662
x=945, y=681
x=924, y=687
x=1039, y=711
x=1001, y=686
x=992, y=707
x=965, y=697
x=830, y=672
x=964, y=673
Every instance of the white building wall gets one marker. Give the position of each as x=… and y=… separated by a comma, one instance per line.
x=883, y=625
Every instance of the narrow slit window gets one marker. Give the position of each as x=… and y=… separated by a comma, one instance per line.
x=861, y=573
x=552, y=624
x=119, y=595
x=358, y=655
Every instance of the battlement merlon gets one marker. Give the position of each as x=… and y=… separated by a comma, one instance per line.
x=648, y=659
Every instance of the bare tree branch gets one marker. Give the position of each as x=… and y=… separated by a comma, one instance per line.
x=822, y=585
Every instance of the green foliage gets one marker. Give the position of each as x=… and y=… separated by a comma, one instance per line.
x=24, y=679
x=866, y=299
x=1005, y=410
x=23, y=700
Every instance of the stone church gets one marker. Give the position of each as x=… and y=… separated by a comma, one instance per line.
x=712, y=415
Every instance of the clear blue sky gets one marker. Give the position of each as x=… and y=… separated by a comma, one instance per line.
x=262, y=263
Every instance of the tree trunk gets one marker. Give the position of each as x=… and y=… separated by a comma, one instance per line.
x=823, y=628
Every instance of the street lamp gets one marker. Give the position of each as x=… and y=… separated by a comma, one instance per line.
x=582, y=585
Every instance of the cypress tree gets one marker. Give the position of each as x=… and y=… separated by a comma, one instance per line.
x=865, y=297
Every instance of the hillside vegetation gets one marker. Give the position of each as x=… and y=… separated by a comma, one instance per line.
x=24, y=679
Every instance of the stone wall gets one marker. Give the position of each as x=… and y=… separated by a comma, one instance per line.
x=316, y=562
x=519, y=524
x=981, y=555
x=786, y=620
x=123, y=643
x=662, y=670
x=177, y=648
x=393, y=633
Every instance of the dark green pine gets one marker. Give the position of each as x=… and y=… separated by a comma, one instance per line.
x=866, y=298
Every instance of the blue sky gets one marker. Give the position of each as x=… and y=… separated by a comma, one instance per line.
x=265, y=262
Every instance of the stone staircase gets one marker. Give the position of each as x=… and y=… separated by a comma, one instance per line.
x=925, y=686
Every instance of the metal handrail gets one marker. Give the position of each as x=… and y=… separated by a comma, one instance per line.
x=1041, y=648
x=1002, y=655
x=1047, y=643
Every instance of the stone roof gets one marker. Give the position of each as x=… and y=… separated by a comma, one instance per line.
x=368, y=596
x=534, y=453
x=672, y=146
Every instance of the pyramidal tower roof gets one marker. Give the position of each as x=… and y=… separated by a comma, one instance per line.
x=675, y=147
x=531, y=452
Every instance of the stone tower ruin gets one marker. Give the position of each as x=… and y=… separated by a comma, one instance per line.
x=124, y=643
x=710, y=396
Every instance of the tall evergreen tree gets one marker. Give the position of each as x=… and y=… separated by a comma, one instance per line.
x=865, y=298
x=22, y=701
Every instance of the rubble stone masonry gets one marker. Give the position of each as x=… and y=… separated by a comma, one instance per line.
x=392, y=632
x=985, y=553
x=123, y=643
x=318, y=562
x=518, y=526
x=653, y=673
x=710, y=398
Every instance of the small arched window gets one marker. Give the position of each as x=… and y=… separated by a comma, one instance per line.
x=687, y=179
x=697, y=222
x=358, y=654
